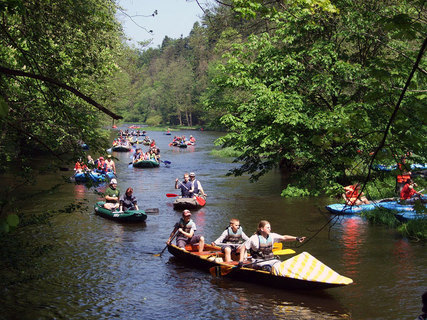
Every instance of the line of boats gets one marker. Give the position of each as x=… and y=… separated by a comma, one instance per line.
x=403, y=211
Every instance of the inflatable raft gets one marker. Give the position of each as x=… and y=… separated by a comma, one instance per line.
x=124, y=216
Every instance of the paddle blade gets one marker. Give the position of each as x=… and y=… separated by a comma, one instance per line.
x=283, y=252
x=201, y=201
x=170, y=195
x=167, y=162
x=153, y=211
x=277, y=246
x=220, y=271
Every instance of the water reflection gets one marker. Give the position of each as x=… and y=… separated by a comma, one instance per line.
x=352, y=238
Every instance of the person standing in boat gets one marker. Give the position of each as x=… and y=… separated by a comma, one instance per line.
x=185, y=186
x=231, y=240
x=353, y=197
x=186, y=229
x=260, y=246
x=196, y=186
x=112, y=196
x=128, y=202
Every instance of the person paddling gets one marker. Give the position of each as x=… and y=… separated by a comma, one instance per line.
x=408, y=191
x=260, y=246
x=186, y=229
x=185, y=186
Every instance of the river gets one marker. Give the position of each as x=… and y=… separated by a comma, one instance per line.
x=82, y=266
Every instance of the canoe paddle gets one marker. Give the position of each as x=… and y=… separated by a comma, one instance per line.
x=160, y=254
x=224, y=270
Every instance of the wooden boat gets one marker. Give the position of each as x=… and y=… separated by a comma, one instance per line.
x=302, y=271
x=189, y=203
x=121, y=148
x=125, y=216
x=146, y=164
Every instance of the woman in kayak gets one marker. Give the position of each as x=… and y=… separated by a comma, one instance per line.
x=260, y=246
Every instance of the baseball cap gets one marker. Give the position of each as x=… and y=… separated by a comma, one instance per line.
x=113, y=181
x=192, y=174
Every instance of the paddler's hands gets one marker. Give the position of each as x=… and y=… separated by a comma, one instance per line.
x=300, y=239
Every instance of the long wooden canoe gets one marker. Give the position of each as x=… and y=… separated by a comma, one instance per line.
x=302, y=271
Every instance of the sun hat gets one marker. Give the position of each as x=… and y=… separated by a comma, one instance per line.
x=101, y=158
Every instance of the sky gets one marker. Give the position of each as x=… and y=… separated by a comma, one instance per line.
x=174, y=18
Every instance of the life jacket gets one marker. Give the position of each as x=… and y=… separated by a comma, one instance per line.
x=265, y=249
x=183, y=226
x=102, y=165
x=233, y=237
x=351, y=194
x=407, y=192
x=78, y=166
x=196, y=186
x=402, y=178
x=185, y=189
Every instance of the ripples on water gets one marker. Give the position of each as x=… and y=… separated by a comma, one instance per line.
x=99, y=269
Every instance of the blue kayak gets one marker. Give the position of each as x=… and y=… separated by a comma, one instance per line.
x=340, y=208
x=407, y=215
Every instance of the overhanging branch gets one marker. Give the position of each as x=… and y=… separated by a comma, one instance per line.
x=11, y=72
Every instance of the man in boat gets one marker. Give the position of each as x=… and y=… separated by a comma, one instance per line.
x=186, y=229
x=260, y=246
x=100, y=165
x=353, y=197
x=111, y=166
x=231, y=240
x=128, y=202
x=112, y=196
x=185, y=186
x=408, y=192
x=196, y=187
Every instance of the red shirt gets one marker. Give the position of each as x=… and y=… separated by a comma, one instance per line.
x=407, y=192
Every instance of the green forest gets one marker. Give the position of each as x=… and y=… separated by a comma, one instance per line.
x=322, y=89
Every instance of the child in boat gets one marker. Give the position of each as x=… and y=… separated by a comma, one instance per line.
x=231, y=239
x=128, y=202
x=186, y=229
x=260, y=246
x=353, y=197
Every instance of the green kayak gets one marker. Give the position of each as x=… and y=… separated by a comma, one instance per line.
x=146, y=164
x=125, y=216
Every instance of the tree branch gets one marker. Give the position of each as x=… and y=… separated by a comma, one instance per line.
x=11, y=72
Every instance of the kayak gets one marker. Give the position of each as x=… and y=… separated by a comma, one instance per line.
x=125, y=216
x=340, y=208
x=381, y=167
x=188, y=203
x=302, y=271
x=94, y=176
x=408, y=215
x=146, y=163
x=122, y=148
x=419, y=166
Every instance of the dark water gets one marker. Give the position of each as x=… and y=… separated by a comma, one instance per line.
x=85, y=267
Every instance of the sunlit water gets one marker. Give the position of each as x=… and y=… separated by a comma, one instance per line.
x=87, y=267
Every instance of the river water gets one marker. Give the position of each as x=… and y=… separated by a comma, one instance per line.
x=81, y=266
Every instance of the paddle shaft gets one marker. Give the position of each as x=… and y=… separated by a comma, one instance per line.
x=160, y=254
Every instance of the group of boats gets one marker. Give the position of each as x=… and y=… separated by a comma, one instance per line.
x=403, y=210
x=299, y=271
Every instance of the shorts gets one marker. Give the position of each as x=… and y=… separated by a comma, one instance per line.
x=111, y=205
x=181, y=242
x=233, y=248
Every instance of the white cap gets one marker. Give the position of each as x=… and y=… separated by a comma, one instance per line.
x=113, y=181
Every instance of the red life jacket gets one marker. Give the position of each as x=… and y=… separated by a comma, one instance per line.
x=402, y=178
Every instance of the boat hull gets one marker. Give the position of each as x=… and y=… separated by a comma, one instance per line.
x=146, y=164
x=209, y=260
x=121, y=149
x=186, y=203
x=126, y=216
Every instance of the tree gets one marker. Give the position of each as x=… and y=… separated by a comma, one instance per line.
x=315, y=92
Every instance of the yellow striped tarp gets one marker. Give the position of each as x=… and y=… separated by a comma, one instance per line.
x=306, y=267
